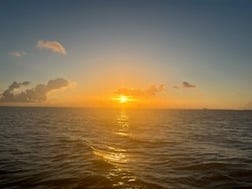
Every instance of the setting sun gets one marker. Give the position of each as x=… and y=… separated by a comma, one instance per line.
x=123, y=99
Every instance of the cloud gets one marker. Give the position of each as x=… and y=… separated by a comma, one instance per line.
x=54, y=46
x=150, y=91
x=175, y=87
x=248, y=105
x=186, y=84
x=154, y=89
x=37, y=94
x=17, y=53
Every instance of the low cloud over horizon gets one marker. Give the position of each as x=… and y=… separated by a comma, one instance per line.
x=53, y=46
x=248, y=105
x=150, y=91
x=37, y=94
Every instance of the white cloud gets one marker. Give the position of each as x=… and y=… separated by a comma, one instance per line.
x=17, y=53
x=37, y=94
x=54, y=46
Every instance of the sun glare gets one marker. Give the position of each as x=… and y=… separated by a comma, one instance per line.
x=123, y=99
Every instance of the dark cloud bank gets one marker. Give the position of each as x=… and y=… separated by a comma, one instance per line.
x=37, y=94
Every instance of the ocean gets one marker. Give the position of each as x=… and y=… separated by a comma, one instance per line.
x=50, y=148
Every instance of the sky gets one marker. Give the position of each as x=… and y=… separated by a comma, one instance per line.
x=161, y=53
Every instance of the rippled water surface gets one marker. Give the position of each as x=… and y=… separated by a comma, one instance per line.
x=101, y=148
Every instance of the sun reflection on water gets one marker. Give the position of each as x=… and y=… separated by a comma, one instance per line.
x=114, y=151
x=116, y=154
x=111, y=157
x=122, y=123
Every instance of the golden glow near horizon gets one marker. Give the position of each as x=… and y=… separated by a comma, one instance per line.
x=123, y=99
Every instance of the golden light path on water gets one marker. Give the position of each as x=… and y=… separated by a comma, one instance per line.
x=116, y=154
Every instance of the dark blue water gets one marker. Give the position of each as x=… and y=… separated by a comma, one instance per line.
x=101, y=148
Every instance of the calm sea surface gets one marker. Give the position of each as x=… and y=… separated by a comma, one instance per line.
x=100, y=148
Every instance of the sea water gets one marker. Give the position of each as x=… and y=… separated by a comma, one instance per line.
x=120, y=148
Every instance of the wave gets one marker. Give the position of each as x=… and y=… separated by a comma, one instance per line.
x=45, y=148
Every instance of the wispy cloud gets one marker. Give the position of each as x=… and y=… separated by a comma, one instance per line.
x=150, y=91
x=37, y=94
x=54, y=46
x=175, y=87
x=17, y=53
x=248, y=106
x=186, y=84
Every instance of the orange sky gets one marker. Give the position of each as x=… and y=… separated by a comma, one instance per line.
x=161, y=53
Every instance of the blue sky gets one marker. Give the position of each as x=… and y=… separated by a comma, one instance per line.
x=133, y=44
